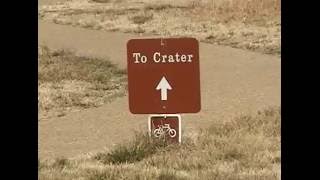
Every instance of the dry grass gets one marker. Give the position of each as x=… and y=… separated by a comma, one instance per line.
x=136, y=150
x=102, y=1
x=68, y=82
x=141, y=18
x=248, y=24
x=247, y=147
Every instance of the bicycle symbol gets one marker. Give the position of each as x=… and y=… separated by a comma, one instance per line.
x=162, y=129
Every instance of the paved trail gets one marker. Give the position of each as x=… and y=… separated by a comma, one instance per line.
x=233, y=81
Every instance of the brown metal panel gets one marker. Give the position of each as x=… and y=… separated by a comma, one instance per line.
x=175, y=61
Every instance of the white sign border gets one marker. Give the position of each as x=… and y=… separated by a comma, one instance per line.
x=165, y=115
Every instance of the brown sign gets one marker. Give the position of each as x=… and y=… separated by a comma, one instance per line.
x=163, y=76
x=166, y=126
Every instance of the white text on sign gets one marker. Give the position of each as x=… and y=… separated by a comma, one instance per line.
x=164, y=58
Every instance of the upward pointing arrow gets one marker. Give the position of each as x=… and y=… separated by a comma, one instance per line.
x=163, y=86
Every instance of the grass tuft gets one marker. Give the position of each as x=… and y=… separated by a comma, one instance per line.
x=101, y=1
x=60, y=163
x=100, y=175
x=158, y=7
x=62, y=64
x=68, y=82
x=141, y=147
x=167, y=175
x=141, y=18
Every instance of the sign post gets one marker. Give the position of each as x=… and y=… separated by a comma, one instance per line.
x=164, y=78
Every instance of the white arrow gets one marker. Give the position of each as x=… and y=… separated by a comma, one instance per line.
x=164, y=86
